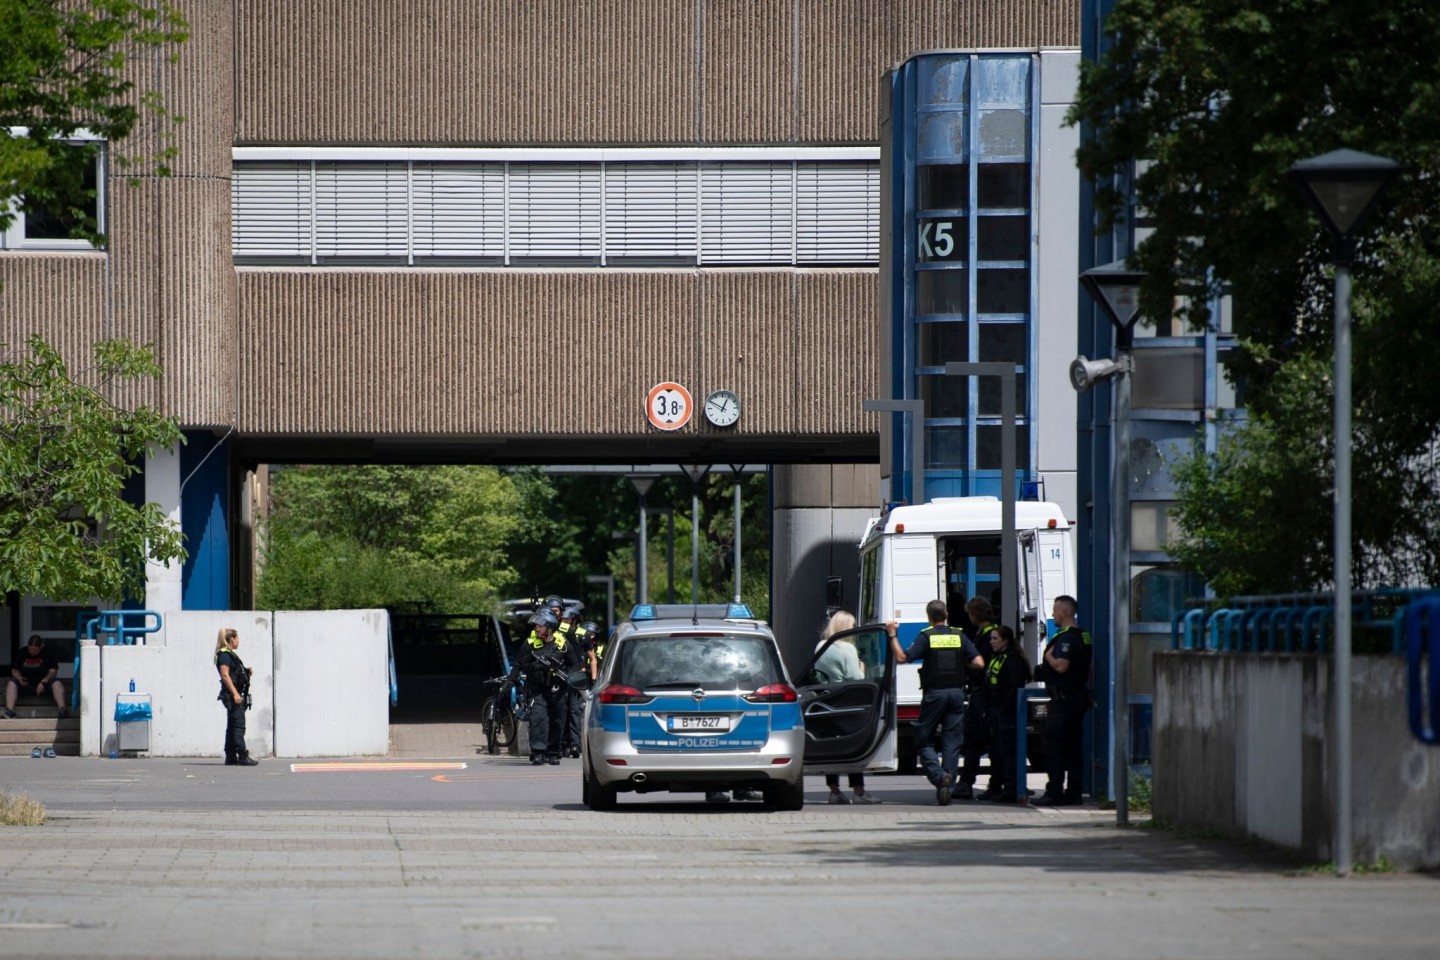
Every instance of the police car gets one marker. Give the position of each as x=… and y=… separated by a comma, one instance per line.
x=695, y=699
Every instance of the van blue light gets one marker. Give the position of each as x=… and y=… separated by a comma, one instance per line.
x=643, y=611
x=738, y=611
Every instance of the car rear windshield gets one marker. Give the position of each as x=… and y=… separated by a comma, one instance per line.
x=683, y=662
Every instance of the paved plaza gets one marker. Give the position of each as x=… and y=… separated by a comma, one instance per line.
x=489, y=857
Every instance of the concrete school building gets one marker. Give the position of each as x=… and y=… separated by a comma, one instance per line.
x=385, y=215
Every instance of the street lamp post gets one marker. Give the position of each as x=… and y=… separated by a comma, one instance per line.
x=1343, y=187
x=1116, y=288
x=642, y=483
x=696, y=472
x=1009, y=564
x=916, y=410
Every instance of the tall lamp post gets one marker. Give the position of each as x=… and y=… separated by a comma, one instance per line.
x=1343, y=187
x=642, y=483
x=1116, y=288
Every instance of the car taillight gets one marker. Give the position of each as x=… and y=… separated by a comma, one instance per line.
x=774, y=693
x=620, y=693
x=908, y=713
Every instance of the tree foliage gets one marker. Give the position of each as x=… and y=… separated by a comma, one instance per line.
x=66, y=449
x=430, y=538
x=570, y=523
x=1217, y=99
x=66, y=67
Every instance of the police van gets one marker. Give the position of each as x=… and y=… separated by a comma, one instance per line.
x=950, y=548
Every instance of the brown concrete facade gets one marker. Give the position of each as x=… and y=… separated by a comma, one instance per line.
x=495, y=364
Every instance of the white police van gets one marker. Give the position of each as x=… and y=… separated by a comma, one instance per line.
x=950, y=549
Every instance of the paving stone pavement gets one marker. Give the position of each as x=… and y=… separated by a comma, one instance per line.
x=174, y=858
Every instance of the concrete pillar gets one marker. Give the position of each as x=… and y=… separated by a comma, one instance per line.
x=162, y=486
x=819, y=514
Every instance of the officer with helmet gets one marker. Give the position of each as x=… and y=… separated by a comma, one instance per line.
x=575, y=639
x=543, y=661
x=595, y=648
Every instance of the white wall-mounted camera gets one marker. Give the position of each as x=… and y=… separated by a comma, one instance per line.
x=1085, y=373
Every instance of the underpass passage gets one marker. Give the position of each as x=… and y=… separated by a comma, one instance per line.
x=444, y=664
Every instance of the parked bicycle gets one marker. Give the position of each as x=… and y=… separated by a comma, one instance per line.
x=503, y=713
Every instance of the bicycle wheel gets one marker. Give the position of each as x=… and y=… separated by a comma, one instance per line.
x=487, y=722
x=504, y=728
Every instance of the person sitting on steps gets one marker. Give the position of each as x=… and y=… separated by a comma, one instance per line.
x=34, y=674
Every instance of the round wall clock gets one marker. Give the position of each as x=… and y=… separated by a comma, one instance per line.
x=722, y=408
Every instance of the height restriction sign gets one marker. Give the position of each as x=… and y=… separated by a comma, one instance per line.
x=668, y=406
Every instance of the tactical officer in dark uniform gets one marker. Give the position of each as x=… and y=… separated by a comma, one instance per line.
x=235, y=695
x=1006, y=673
x=576, y=642
x=947, y=654
x=981, y=616
x=542, y=660
x=1066, y=672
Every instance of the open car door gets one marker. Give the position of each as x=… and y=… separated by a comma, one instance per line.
x=847, y=696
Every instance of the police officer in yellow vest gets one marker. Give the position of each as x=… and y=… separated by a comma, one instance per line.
x=977, y=706
x=1066, y=672
x=542, y=660
x=576, y=641
x=946, y=654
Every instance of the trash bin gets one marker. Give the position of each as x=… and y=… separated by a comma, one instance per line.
x=132, y=721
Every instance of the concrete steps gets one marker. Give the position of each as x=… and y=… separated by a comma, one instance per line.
x=38, y=727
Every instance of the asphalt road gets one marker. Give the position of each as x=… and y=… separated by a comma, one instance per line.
x=171, y=858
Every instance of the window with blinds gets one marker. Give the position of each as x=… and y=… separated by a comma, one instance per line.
x=611, y=213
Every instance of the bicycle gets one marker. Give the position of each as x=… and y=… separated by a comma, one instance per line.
x=502, y=713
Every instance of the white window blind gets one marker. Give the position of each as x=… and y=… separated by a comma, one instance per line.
x=270, y=210
x=837, y=213
x=554, y=210
x=361, y=210
x=747, y=213
x=650, y=211
x=458, y=210
x=493, y=211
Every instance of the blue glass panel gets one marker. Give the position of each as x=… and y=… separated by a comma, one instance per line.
x=943, y=80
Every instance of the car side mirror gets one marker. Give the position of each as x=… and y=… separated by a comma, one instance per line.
x=579, y=680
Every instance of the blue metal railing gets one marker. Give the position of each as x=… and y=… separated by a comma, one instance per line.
x=110, y=627
x=1422, y=638
x=1291, y=622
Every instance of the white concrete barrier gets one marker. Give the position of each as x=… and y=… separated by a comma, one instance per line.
x=320, y=686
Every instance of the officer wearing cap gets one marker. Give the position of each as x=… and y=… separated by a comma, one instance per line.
x=542, y=660
x=947, y=654
x=1065, y=668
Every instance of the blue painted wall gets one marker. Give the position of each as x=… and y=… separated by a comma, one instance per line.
x=205, y=521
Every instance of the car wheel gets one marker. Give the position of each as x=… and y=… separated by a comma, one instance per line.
x=599, y=796
x=786, y=796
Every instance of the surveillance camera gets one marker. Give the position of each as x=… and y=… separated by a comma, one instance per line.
x=1085, y=373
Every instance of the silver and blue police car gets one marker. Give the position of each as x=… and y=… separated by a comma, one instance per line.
x=693, y=699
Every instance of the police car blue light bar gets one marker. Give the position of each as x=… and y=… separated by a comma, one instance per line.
x=687, y=611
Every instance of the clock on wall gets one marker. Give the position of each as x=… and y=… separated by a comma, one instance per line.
x=722, y=408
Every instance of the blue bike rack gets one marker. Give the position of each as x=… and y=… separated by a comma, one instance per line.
x=1023, y=696
x=1422, y=635
x=111, y=628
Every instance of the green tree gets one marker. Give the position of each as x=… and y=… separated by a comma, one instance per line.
x=430, y=537
x=66, y=449
x=568, y=532
x=1218, y=98
x=65, y=67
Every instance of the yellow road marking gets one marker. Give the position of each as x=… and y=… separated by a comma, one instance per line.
x=372, y=766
